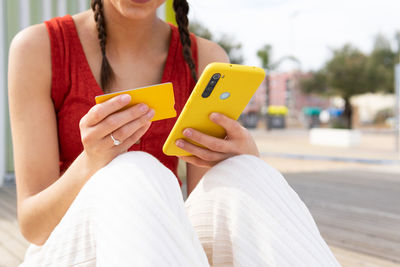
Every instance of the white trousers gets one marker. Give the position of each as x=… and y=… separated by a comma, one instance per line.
x=131, y=213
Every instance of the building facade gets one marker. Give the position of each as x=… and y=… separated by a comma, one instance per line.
x=284, y=90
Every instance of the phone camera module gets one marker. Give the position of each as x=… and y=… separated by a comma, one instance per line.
x=211, y=84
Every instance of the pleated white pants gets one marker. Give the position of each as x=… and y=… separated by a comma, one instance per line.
x=131, y=213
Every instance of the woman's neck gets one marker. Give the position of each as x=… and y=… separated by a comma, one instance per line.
x=132, y=37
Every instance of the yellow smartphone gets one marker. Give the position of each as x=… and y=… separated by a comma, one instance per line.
x=224, y=88
x=159, y=97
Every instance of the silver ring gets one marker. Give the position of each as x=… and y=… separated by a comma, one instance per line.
x=116, y=141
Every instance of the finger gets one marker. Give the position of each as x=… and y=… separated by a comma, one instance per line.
x=139, y=113
x=232, y=127
x=100, y=111
x=211, y=142
x=128, y=142
x=198, y=161
x=136, y=136
x=130, y=128
x=200, y=152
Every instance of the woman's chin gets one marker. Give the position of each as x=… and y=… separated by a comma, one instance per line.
x=137, y=14
x=139, y=9
x=140, y=1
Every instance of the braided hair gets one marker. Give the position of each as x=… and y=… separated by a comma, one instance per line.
x=107, y=75
x=181, y=8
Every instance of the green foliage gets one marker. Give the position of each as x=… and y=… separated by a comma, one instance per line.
x=350, y=72
x=397, y=38
x=381, y=64
x=315, y=83
x=346, y=72
x=227, y=42
x=265, y=56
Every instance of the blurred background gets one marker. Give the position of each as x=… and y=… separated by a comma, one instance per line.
x=326, y=116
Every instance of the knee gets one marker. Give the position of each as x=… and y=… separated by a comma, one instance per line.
x=129, y=171
x=243, y=172
x=242, y=161
x=136, y=158
x=130, y=182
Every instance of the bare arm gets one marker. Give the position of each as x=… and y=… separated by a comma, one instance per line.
x=33, y=126
x=43, y=196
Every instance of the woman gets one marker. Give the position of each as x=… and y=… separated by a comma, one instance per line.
x=82, y=200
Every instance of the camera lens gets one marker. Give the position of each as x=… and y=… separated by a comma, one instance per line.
x=216, y=76
x=206, y=93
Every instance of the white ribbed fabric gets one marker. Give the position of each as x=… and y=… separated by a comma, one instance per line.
x=245, y=214
x=131, y=213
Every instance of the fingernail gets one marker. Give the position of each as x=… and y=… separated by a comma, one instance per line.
x=150, y=114
x=144, y=107
x=125, y=98
x=187, y=132
x=214, y=116
x=179, y=143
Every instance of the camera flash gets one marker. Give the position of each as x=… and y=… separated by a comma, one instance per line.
x=225, y=95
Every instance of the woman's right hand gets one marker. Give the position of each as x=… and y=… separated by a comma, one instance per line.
x=104, y=119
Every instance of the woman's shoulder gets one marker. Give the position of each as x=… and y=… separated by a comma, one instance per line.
x=36, y=38
x=31, y=40
x=30, y=55
x=209, y=51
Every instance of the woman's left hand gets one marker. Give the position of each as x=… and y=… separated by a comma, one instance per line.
x=237, y=141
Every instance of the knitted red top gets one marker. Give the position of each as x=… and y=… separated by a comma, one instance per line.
x=74, y=89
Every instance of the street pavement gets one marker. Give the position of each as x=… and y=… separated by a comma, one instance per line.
x=355, y=204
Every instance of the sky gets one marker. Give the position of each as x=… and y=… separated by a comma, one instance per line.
x=306, y=29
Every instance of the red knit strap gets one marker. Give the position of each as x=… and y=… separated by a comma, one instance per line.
x=59, y=60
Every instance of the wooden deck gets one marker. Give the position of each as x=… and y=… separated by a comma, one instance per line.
x=12, y=243
x=358, y=213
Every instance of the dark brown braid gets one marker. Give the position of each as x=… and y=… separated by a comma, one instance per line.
x=107, y=74
x=181, y=8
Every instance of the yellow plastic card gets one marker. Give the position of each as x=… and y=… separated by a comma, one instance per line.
x=224, y=88
x=159, y=97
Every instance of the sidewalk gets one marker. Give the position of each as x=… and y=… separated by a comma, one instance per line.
x=375, y=151
x=350, y=199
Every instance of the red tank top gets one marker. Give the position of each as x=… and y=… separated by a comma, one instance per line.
x=74, y=88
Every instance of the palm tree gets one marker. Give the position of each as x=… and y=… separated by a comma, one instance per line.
x=265, y=55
